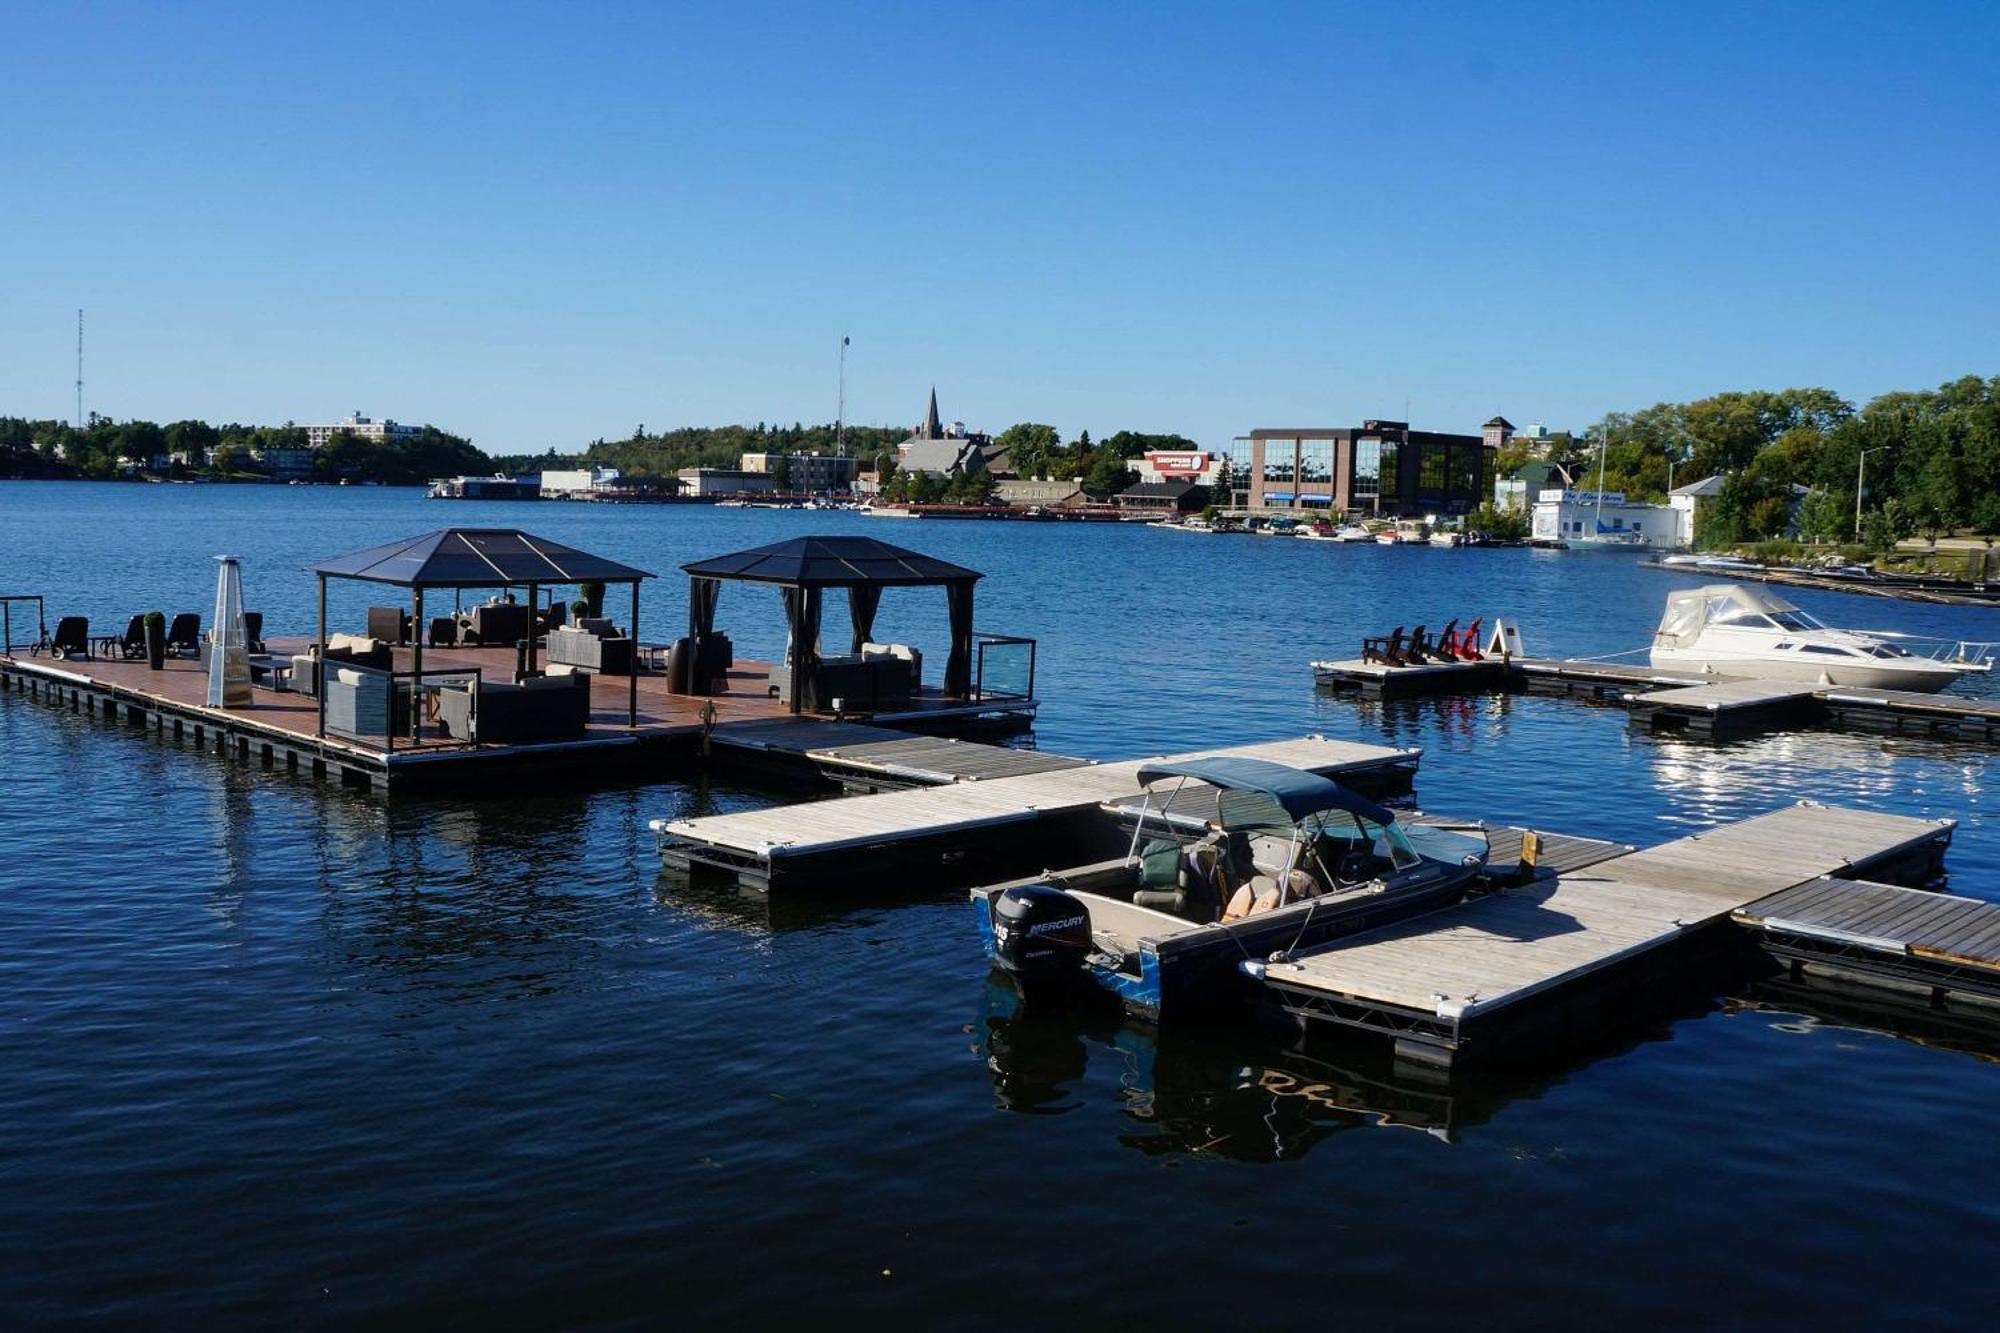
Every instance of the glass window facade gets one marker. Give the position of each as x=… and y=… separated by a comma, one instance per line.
x=1280, y=462
x=1392, y=464
x=1433, y=467
x=1465, y=469
x=1316, y=461
x=1367, y=468
x=1239, y=454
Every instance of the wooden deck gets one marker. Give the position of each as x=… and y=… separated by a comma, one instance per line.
x=761, y=845
x=1939, y=945
x=1429, y=980
x=281, y=725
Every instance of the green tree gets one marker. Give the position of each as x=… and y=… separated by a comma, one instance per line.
x=1824, y=516
x=781, y=473
x=1030, y=446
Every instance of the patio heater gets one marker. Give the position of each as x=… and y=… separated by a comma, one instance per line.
x=228, y=651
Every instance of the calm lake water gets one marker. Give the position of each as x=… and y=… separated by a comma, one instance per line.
x=280, y=1054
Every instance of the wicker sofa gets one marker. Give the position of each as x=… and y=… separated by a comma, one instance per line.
x=542, y=708
x=362, y=701
x=607, y=654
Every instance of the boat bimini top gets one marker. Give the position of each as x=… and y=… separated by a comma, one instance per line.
x=1731, y=604
x=1298, y=793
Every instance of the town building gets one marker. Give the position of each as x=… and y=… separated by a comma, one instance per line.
x=1159, y=465
x=1378, y=467
x=704, y=483
x=809, y=472
x=366, y=428
x=1048, y=494
x=1523, y=487
x=495, y=487
x=558, y=483
x=947, y=451
x=285, y=464
x=1691, y=498
x=1163, y=497
x=1586, y=518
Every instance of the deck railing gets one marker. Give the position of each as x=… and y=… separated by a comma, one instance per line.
x=7, y=621
x=1003, y=666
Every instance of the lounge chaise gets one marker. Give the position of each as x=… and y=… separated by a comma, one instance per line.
x=184, y=635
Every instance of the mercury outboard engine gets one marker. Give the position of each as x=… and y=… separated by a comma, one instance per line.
x=1039, y=931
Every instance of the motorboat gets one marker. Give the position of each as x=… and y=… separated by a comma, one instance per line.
x=1734, y=629
x=1227, y=859
x=1446, y=538
x=1352, y=532
x=1277, y=527
x=1316, y=532
x=1407, y=532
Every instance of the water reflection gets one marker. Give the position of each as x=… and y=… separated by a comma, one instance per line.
x=1824, y=1005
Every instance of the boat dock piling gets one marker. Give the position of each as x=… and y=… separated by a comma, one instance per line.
x=1506, y=968
x=961, y=816
x=1704, y=707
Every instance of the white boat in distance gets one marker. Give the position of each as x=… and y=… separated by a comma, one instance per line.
x=1352, y=532
x=1729, y=629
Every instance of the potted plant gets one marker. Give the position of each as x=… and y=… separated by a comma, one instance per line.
x=593, y=593
x=578, y=609
x=156, y=639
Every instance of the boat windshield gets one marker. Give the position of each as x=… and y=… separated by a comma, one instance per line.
x=1383, y=839
x=1796, y=620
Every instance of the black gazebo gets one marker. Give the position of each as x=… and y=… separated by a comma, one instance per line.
x=476, y=558
x=804, y=567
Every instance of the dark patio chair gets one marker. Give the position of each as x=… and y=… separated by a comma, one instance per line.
x=1387, y=651
x=71, y=639
x=253, y=631
x=390, y=624
x=1416, y=652
x=132, y=646
x=184, y=633
x=444, y=632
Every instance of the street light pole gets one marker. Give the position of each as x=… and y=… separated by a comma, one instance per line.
x=1860, y=472
x=840, y=412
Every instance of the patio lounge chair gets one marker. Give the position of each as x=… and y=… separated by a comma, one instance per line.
x=184, y=633
x=1416, y=652
x=496, y=625
x=1446, y=647
x=444, y=632
x=71, y=639
x=1388, y=651
x=131, y=646
x=253, y=631
x=1468, y=642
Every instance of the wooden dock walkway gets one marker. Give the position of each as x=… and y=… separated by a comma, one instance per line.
x=1456, y=977
x=924, y=828
x=1700, y=706
x=1939, y=945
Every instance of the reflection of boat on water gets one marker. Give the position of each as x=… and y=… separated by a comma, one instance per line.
x=1238, y=1096
x=1286, y=859
x=1742, y=630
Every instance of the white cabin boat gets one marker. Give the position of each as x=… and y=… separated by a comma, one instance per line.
x=1730, y=629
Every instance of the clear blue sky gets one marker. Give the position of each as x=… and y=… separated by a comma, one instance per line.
x=542, y=224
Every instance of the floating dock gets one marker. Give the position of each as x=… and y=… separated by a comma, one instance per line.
x=1940, y=947
x=1504, y=968
x=967, y=823
x=673, y=731
x=1718, y=708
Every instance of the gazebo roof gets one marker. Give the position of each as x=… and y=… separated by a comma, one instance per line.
x=833, y=562
x=477, y=558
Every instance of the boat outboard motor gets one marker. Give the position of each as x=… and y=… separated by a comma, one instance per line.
x=1038, y=930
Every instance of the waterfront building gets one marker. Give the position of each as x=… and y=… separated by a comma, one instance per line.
x=1047, y=494
x=495, y=487
x=1522, y=488
x=1690, y=498
x=1378, y=467
x=1163, y=497
x=809, y=472
x=1586, y=518
x=712, y=482
x=578, y=481
x=285, y=463
x=366, y=428
x=1199, y=466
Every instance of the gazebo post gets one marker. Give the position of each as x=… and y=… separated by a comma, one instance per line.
x=416, y=663
x=632, y=680
x=534, y=595
x=319, y=663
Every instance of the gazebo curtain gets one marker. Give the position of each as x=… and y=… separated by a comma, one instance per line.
x=958, y=667
x=702, y=596
x=862, y=600
x=802, y=617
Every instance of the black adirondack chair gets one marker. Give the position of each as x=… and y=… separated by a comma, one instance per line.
x=253, y=631
x=1418, y=650
x=1384, y=650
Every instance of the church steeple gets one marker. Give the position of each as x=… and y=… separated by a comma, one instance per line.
x=933, y=429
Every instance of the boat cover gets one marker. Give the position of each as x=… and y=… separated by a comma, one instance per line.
x=1689, y=611
x=1296, y=792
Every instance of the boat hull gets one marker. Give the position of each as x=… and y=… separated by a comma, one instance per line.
x=1916, y=675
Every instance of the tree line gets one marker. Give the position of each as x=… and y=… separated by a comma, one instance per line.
x=1790, y=461
x=106, y=449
